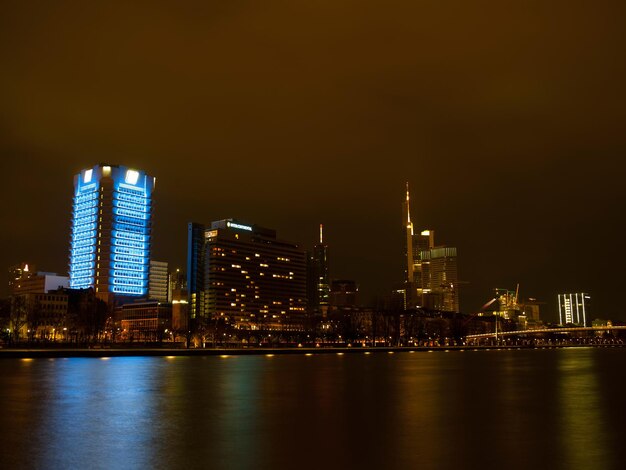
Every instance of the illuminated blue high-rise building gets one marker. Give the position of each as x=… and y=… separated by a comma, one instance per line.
x=111, y=225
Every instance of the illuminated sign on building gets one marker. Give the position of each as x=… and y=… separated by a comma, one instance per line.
x=239, y=226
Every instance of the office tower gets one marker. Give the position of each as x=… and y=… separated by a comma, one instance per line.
x=195, y=268
x=574, y=309
x=111, y=228
x=422, y=243
x=430, y=273
x=158, y=281
x=245, y=275
x=407, y=229
x=442, y=283
x=320, y=268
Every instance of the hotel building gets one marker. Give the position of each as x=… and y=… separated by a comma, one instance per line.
x=245, y=275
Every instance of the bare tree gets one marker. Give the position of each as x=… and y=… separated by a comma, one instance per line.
x=18, y=317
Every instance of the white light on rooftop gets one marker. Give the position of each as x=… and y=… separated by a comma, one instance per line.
x=132, y=176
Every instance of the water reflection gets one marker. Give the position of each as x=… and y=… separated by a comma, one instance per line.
x=513, y=409
x=584, y=426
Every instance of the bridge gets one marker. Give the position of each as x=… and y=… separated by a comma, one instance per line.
x=539, y=331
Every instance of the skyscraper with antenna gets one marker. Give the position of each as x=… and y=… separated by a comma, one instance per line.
x=319, y=282
x=430, y=272
x=407, y=228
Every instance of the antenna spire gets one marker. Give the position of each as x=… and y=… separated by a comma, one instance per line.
x=321, y=234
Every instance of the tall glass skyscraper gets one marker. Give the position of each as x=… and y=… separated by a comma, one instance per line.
x=111, y=224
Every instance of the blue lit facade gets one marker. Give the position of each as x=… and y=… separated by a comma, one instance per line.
x=111, y=225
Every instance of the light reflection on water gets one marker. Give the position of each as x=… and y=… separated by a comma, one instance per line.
x=513, y=409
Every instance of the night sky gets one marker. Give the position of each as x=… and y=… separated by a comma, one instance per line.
x=506, y=117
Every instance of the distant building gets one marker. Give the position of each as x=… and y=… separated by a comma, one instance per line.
x=38, y=283
x=145, y=320
x=318, y=284
x=532, y=309
x=431, y=272
x=195, y=268
x=178, y=280
x=48, y=313
x=440, y=289
x=179, y=299
x=158, y=283
x=19, y=272
x=245, y=275
x=111, y=231
x=574, y=309
x=343, y=294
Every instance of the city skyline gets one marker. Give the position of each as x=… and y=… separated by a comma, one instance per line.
x=505, y=123
x=86, y=174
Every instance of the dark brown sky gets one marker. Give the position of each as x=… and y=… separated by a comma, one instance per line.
x=506, y=117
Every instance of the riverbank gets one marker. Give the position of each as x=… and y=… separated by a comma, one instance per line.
x=168, y=352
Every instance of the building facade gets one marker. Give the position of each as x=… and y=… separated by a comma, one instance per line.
x=574, y=309
x=111, y=231
x=159, y=281
x=19, y=272
x=145, y=321
x=38, y=283
x=318, y=282
x=244, y=275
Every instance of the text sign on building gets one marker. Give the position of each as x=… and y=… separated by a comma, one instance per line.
x=239, y=226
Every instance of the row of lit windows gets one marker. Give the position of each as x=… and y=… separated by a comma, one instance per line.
x=85, y=205
x=131, y=198
x=129, y=274
x=80, y=279
x=81, y=276
x=130, y=268
x=78, y=258
x=130, y=229
x=83, y=250
x=128, y=243
x=120, y=281
x=85, y=197
x=128, y=290
x=127, y=221
x=124, y=188
x=129, y=251
x=78, y=214
x=130, y=259
x=131, y=214
x=84, y=235
x=131, y=206
x=130, y=236
x=83, y=222
x=84, y=228
x=82, y=243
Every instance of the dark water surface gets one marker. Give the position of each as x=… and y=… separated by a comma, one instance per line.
x=562, y=408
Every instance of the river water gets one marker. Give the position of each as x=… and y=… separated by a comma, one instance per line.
x=562, y=408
